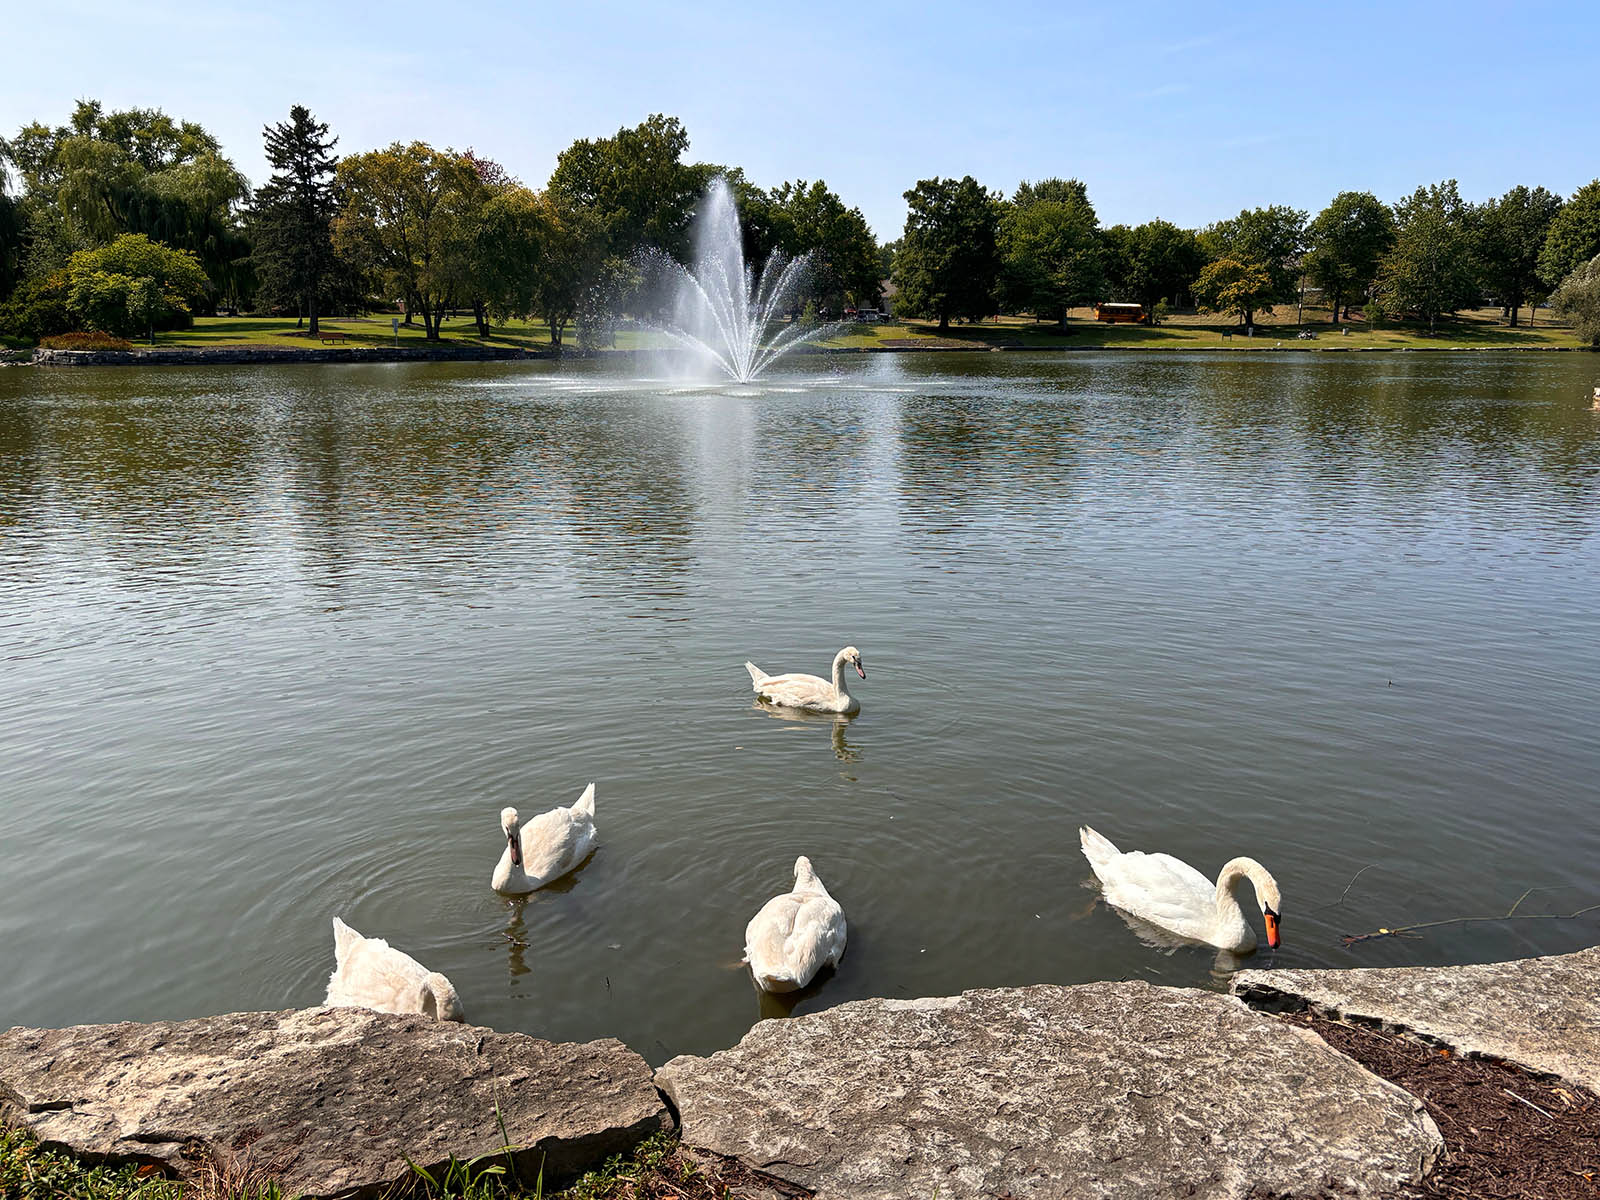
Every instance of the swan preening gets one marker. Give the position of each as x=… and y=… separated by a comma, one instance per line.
x=808, y=691
x=547, y=847
x=794, y=934
x=370, y=973
x=1168, y=892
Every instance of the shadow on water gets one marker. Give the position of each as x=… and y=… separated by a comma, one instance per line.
x=834, y=723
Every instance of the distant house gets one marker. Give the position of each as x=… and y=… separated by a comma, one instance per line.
x=1119, y=314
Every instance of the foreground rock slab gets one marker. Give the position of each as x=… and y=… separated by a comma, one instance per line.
x=1540, y=1013
x=1103, y=1090
x=330, y=1101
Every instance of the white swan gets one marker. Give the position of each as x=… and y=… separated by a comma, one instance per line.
x=370, y=973
x=808, y=691
x=1168, y=892
x=547, y=847
x=787, y=942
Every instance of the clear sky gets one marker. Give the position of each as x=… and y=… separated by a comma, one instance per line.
x=1184, y=111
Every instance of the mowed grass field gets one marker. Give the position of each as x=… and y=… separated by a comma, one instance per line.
x=1482, y=329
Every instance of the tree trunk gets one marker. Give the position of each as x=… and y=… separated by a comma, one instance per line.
x=944, y=322
x=1336, y=299
x=1516, y=304
x=481, y=315
x=311, y=303
x=1062, y=324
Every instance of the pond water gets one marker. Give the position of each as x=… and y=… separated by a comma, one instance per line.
x=279, y=643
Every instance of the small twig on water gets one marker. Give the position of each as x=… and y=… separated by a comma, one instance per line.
x=1529, y=1103
x=1405, y=930
x=1347, y=887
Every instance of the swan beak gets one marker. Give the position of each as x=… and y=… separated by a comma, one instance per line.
x=860, y=670
x=514, y=844
x=1272, y=928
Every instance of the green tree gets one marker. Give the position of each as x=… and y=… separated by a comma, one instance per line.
x=292, y=221
x=135, y=285
x=1347, y=240
x=1578, y=300
x=1050, y=249
x=574, y=255
x=507, y=236
x=949, y=259
x=809, y=218
x=1231, y=285
x=1573, y=237
x=1508, y=235
x=1429, y=272
x=1271, y=238
x=635, y=183
x=399, y=217
x=1152, y=262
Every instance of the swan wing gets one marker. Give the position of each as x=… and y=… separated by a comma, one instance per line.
x=1158, y=887
x=373, y=974
x=553, y=842
x=798, y=691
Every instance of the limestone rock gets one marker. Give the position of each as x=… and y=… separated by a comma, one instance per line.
x=330, y=1101
x=1102, y=1090
x=1540, y=1013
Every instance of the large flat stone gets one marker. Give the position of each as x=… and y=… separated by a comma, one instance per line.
x=1540, y=1013
x=1103, y=1090
x=330, y=1101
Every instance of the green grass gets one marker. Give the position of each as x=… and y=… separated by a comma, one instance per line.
x=1479, y=330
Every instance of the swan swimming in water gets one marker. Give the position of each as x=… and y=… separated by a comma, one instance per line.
x=794, y=934
x=1171, y=894
x=808, y=691
x=547, y=847
x=370, y=973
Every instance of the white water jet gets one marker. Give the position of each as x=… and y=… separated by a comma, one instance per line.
x=721, y=311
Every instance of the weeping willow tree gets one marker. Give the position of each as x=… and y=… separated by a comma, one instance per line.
x=140, y=171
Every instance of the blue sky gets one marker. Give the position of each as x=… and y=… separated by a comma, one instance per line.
x=1183, y=111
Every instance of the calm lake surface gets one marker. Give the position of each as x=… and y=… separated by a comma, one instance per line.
x=279, y=643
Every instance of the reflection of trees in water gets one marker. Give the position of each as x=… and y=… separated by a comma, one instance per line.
x=22, y=460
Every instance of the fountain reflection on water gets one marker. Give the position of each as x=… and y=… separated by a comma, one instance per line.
x=721, y=310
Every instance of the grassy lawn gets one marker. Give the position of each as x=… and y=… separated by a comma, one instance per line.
x=1481, y=329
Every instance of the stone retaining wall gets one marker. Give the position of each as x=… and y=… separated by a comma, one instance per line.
x=205, y=356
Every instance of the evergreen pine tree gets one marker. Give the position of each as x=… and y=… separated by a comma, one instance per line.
x=293, y=220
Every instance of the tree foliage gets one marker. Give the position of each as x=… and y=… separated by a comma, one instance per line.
x=1429, y=271
x=1235, y=286
x=1508, y=235
x=135, y=285
x=1573, y=237
x=1346, y=241
x=1578, y=300
x=1271, y=238
x=949, y=260
x=1050, y=248
x=1152, y=262
x=635, y=183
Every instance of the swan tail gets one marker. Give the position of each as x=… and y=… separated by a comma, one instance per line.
x=756, y=673
x=1097, y=849
x=585, y=804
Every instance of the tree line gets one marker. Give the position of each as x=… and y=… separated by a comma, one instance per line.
x=132, y=221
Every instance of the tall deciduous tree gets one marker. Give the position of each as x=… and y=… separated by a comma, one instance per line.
x=571, y=262
x=949, y=259
x=1050, y=248
x=1271, y=238
x=1508, y=235
x=1573, y=237
x=1429, y=271
x=1152, y=262
x=634, y=182
x=1347, y=240
x=809, y=218
x=292, y=222
x=1236, y=286
x=399, y=215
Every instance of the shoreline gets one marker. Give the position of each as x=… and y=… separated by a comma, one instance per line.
x=255, y=355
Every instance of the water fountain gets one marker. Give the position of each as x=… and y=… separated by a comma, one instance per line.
x=721, y=311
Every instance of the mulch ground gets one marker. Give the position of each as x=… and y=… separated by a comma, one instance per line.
x=1508, y=1135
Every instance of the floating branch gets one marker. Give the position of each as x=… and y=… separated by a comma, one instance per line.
x=1511, y=914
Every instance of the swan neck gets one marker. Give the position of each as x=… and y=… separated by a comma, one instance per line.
x=838, y=674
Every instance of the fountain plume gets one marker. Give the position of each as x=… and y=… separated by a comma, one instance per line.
x=721, y=310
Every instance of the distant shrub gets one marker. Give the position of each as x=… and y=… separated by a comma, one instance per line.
x=1373, y=312
x=38, y=308
x=1161, y=312
x=85, y=341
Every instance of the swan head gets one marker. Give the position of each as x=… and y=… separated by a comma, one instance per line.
x=852, y=656
x=438, y=999
x=803, y=872
x=511, y=826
